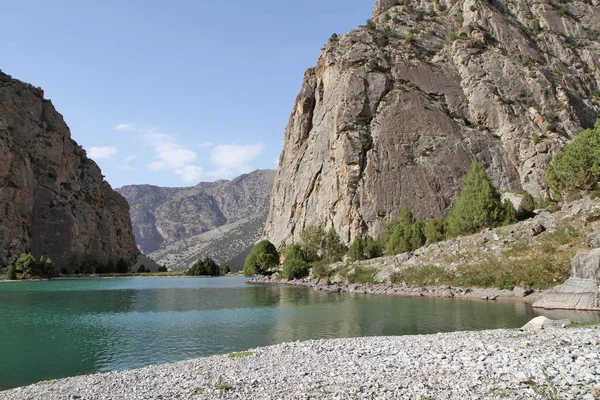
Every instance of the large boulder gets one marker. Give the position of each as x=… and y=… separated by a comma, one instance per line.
x=581, y=290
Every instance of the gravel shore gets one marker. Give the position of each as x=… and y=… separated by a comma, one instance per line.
x=496, y=364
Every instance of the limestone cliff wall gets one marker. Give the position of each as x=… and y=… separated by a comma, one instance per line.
x=395, y=111
x=53, y=199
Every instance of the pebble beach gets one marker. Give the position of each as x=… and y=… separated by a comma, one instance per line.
x=555, y=363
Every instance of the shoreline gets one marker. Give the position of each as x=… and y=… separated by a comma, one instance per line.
x=447, y=292
x=487, y=364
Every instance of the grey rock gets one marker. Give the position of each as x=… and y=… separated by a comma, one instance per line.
x=542, y=322
x=522, y=291
x=54, y=200
x=382, y=122
x=537, y=229
x=581, y=290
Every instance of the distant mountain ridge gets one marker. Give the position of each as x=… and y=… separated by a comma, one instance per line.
x=172, y=225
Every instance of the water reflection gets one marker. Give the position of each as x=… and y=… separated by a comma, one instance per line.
x=67, y=328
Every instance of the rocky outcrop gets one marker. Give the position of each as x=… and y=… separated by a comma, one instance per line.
x=582, y=290
x=176, y=226
x=395, y=111
x=53, y=199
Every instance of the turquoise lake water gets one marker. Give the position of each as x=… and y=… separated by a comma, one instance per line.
x=53, y=329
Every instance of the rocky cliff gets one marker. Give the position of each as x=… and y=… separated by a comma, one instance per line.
x=175, y=226
x=395, y=111
x=53, y=199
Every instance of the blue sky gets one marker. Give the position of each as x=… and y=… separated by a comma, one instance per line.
x=176, y=92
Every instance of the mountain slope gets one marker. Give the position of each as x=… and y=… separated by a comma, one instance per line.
x=53, y=199
x=175, y=225
x=395, y=111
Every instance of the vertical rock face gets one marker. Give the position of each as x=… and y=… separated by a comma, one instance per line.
x=395, y=111
x=53, y=199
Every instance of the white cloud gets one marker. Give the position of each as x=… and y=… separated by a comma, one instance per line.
x=234, y=158
x=130, y=158
x=205, y=145
x=191, y=173
x=102, y=152
x=126, y=128
x=168, y=153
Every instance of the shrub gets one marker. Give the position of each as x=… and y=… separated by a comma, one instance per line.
x=261, y=259
x=24, y=263
x=110, y=267
x=142, y=269
x=577, y=168
x=372, y=248
x=122, y=266
x=478, y=205
x=356, y=251
x=319, y=245
x=403, y=234
x=295, y=264
x=225, y=269
x=12, y=273
x=162, y=268
x=526, y=207
x=435, y=230
x=205, y=267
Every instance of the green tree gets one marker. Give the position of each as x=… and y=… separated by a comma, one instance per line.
x=261, y=259
x=163, y=268
x=478, y=205
x=295, y=264
x=526, y=207
x=142, y=269
x=356, y=251
x=333, y=248
x=313, y=239
x=403, y=234
x=435, y=230
x=577, y=168
x=12, y=273
x=122, y=266
x=205, y=267
x=24, y=263
x=110, y=267
x=372, y=248
x=225, y=269
x=88, y=263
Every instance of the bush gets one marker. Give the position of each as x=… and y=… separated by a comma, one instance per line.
x=12, y=273
x=404, y=234
x=435, y=230
x=577, y=168
x=318, y=245
x=162, y=268
x=372, y=248
x=478, y=205
x=526, y=207
x=110, y=267
x=24, y=263
x=122, y=266
x=356, y=251
x=225, y=269
x=261, y=259
x=142, y=269
x=295, y=264
x=206, y=267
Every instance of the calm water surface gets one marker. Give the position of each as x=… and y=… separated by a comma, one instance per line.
x=55, y=329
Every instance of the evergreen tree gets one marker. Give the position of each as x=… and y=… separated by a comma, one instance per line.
x=24, y=263
x=333, y=248
x=372, y=248
x=356, y=251
x=403, y=234
x=122, y=266
x=478, y=205
x=225, y=269
x=110, y=267
x=435, y=230
x=577, y=168
x=142, y=269
x=295, y=264
x=205, y=267
x=12, y=273
x=261, y=259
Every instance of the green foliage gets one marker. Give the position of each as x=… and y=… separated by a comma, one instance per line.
x=334, y=37
x=372, y=248
x=142, y=269
x=577, y=168
x=435, y=230
x=122, y=266
x=163, y=268
x=88, y=264
x=478, y=205
x=362, y=275
x=12, y=273
x=319, y=245
x=225, y=269
x=24, y=263
x=295, y=264
x=356, y=251
x=240, y=354
x=261, y=259
x=526, y=207
x=110, y=267
x=404, y=234
x=509, y=214
x=371, y=25
x=205, y=267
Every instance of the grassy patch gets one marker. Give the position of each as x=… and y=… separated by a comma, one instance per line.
x=224, y=386
x=363, y=275
x=240, y=354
